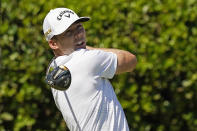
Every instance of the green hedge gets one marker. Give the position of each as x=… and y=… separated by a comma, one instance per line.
x=159, y=95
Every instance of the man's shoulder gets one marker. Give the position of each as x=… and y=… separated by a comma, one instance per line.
x=80, y=54
x=87, y=52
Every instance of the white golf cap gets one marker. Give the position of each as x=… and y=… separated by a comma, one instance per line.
x=58, y=20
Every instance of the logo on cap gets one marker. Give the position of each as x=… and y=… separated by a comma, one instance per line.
x=48, y=32
x=65, y=13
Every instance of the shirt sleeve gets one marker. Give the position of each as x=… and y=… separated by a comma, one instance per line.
x=104, y=63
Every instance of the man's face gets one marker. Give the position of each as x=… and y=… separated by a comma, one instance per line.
x=72, y=39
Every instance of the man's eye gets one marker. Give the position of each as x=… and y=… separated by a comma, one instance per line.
x=79, y=26
x=68, y=33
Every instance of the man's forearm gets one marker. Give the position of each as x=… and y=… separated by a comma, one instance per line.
x=126, y=60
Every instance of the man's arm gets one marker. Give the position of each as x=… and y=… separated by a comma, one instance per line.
x=126, y=60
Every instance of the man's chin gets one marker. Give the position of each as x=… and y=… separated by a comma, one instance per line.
x=80, y=47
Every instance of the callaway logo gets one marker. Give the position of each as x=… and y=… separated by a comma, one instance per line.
x=65, y=13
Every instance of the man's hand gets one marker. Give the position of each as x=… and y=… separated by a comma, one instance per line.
x=126, y=60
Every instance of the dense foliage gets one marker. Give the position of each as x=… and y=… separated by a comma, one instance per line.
x=159, y=95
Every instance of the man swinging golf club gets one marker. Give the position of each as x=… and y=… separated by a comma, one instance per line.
x=79, y=75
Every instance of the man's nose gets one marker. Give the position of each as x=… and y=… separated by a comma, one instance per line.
x=78, y=34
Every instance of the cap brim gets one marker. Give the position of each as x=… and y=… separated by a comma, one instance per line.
x=83, y=19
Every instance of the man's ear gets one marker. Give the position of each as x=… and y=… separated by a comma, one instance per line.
x=53, y=44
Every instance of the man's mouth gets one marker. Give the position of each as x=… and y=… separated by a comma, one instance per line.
x=80, y=44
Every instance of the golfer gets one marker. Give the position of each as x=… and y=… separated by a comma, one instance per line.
x=91, y=103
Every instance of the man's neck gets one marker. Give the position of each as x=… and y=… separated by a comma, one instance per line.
x=61, y=53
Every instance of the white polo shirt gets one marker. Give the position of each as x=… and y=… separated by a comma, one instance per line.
x=90, y=94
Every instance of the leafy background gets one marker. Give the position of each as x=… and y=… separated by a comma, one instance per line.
x=160, y=95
